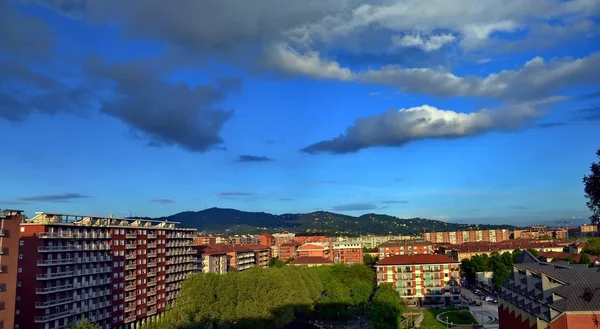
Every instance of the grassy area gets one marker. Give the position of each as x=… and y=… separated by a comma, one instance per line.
x=456, y=316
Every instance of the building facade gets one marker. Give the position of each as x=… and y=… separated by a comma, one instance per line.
x=468, y=250
x=212, y=261
x=9, y=251
x=421, y=279
x=288, y=251
x=346, y=252
x=266, y=239
x=405, y=247
x=459, y=237
x=313, y=250
x=373, y=241
x=115, y=272
x=540, y=295
x=310, y=237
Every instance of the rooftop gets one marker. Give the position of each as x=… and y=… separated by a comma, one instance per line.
x=86, y=220
x=311, y=260
x=406, y=242
x=416, y=260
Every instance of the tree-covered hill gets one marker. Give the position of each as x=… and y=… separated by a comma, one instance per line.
x=231, y=221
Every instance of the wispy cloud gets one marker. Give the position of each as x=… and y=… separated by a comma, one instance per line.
x=375, y=93
x=65, y=197
x=163, y=201
x=551, y=124
x=253, y=158
x=394, y=201
x=354, y=206
x=286, y=199
x=235, y=194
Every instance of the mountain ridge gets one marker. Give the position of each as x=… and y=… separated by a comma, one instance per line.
x=233, y=221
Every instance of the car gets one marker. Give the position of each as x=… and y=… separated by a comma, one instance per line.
x=495, y=301
x=488, y=299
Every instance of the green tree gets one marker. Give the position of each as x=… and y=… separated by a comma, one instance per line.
x=592, y=190
x=276, y=262
x=507, y=259
x=369, y=260
x=592, y=247
x=534, y=252
x=386, y=308
x=501, y=273
x=584, y=259
x=83, y=324
x=569, y=259
x=516, y=254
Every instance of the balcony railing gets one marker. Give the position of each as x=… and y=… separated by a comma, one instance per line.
x=151, y=312
x=52, y=316
x=130, y=308
x=152, y=245
x=130, y=256
x=55, y=275
x=130, y=277
x=87, y=247
x=129, y=319
x=130, y=298
x=53, y=302
x=152, y=255
x=130, y=287
x=130, y=266
x=151, y=283
x=73, y=260
x=73, y=235
x=151, y=274
x=131, y=236
x=52, y=289
x=151, y=302
x=152, y=236
x=152, y=293
x=151, y=264
x=130, y=246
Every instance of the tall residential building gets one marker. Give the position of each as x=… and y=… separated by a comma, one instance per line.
x=288, y=250
x=422, y=278
x=346, y=252
x=468, y=250
x=262, y=254
x=373, y=241
x=405, y=247
x=540, y=295
x=459, y=237
x=283, y=237
x=212, y=261
x=9, y=250
x=266, y=239
x=115, y=272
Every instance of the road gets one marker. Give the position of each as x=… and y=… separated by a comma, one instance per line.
x=485, y=312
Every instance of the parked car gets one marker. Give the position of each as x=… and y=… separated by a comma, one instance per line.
x=488, y=299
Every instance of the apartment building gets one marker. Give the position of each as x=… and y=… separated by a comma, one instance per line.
x=310, y=237
x=540, y=295
x=262, y=254
x=266, y=239
x=212, y=261
x=346, y=252
x=405, y=247
x=9, y=251
x=540, y=231
x=373, y=241
x=115, y=272
x=311, y=261
x=288, y=250
x=283, y=237
x=313, y=250
x=459, y=237
x=421, y=279
x=468, y=250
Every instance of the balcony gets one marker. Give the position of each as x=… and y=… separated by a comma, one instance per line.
x=53, y=302
x=151, y=292
x=130, y=267
x=130, y=277
x=131, y=236
x=151, y=264
x=151, y=312
x=130, y=308
x=130, y=287
x=3, y=233
x=151, y=283
x=130, y=319
x=131, y=246
x=152, y=245
x=130, y=298
x=49, y=235
x=53, y=316
x=151, y=302
x=152, y=255
x=130, y=256
x=48, y=290
x=152, y=236
x=151, y=274
x=55, y=275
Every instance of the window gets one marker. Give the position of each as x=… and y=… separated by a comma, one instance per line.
x=19, y=283
x=21, y=242
x=20, y=256
x=17, y=312
x=20, y=270
x=116, y=264
x=18, y=297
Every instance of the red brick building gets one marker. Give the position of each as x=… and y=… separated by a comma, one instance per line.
x=346, y=252
x=313, y=249
x=311, y=261
x=422, y=279
x=459, y=237
x=540, y=295
x=115, y=272
x=288, y=250
x=9, y=251
x=405, y=247
x=266, y=239
x=303, y=238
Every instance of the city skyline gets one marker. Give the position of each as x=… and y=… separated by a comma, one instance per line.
x=467, y=112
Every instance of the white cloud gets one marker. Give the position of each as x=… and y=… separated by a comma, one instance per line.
x=397, y=128
x=426, y=43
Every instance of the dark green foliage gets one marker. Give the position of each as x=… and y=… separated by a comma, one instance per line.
x=276, y=262
x=592, y=190
x=386, y=308
x=584, y=259
x=534, y=252
x=83, y=324
x=241, y=222
x=369, y=260
x=500, y=265
x=592, y=247
x=569, y=259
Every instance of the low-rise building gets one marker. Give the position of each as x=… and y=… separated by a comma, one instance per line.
x=373, y=241
x=541, y=295
x=310, y=237
x=313, y=249
x=266, y=239
x=468, y=250
x=311, y=261
x=213, y=261
x=429, y=279
x=405, y=247
x=262, y=254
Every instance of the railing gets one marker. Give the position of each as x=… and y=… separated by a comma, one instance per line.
x=130, y=277
x=152, y=245
x=98, y=247
x=130, y=298
x=130, y=287
x=50, y=317
x=129, y=319
x=131, y=236
x=47, y=290
x=54, y=275
x=151, y=264
x=130, y=308
x=152, y=293
x=70, y=260
x=151, y=274
x=54, y=302
x=130, y=266
x=130, y=246
x=130, y=256
x=151, y=312
x=152, y=255
x=151, y=283
x=152, y=236
x=152, y=302
x=73, y=235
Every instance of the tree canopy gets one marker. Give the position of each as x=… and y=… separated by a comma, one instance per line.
x=499, y=264
x=83, y=324
x=592, y=190
x=592, y=247
x=386, y=308
x=369, y=260
x=584, y=259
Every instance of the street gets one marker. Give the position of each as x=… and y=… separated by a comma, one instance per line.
x=487, y=313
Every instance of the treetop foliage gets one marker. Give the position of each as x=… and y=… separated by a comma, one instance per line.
x=592, y=190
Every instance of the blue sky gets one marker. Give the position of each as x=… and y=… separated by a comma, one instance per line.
x=464, y=111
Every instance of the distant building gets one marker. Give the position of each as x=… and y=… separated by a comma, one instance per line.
x=553, y=256
x=288, y=250
x=346, y=252
x=239, y=257
x=539, y=231
x=313, y=249
x=283, y=237
x=459, y=237
x=373, y=241
x=311, y=261
x=212, y=261
x=540, y=295
x=405, y=247
x=9, y=250
x=262, y=254
x=429, y=279
x=310, y=237
x=468, y=250
x=266, y=239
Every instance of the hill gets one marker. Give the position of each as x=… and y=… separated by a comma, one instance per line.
x=231, y=221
